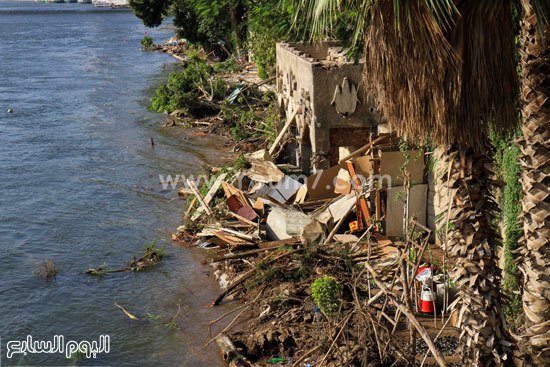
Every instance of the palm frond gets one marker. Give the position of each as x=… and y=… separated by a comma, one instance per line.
x=319, y=15
x=444, y=84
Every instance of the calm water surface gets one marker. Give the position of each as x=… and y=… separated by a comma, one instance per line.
x=71, y=156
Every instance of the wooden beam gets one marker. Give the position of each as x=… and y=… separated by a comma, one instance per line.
x=242, y=218
x=357, y=187
x=199, y=197
x=210, y=195
x=283, y=132
x=363, y=149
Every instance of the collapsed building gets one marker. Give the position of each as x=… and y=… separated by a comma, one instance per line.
x=322, y=91
x=330, y=114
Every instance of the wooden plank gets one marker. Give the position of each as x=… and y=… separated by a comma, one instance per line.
x=283, y=132
x=338, y=225
x=357, y=187
x=363, y=149
x=286, y=241
x=381, y=239
x=190, y=207
x=210, y=195
x=242, y=218
x=199, y=197
x=233, y=240
x=239, y=234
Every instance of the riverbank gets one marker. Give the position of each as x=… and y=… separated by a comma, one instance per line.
x=280, y=318
x=312, y=274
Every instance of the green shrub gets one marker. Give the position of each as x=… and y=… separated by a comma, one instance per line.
x=147, y=43
x=184, y=90
x=228, y=66
x=326, y=292
x=512, y=230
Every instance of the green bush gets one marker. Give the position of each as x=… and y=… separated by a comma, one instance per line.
x=512, y=230
x=326, y=292
x=147, y=43
x=228, y=66
x=184, y=90
x=269, y=22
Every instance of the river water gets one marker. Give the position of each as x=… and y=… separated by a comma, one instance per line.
x=76, y=161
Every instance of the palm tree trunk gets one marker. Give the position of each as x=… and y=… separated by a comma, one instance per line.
x=471, y=242
x=535, y=159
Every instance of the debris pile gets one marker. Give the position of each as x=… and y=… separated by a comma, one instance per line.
x=272, y=232
x=177, y=47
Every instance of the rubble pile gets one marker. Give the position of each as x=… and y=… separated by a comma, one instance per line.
x=271, y=232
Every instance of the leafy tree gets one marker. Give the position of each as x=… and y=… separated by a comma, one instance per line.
x=201, y=21
x=241, y=24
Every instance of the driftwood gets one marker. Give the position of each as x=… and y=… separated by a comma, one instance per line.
x=151, y=258
x=126, y=312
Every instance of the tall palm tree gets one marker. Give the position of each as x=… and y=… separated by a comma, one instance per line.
x=535, y=160
x=442, y=70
